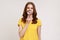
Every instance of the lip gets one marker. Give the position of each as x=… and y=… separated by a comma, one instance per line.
x=29, y=11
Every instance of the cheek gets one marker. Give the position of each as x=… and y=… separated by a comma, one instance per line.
x=27, y=9
x=32, y=10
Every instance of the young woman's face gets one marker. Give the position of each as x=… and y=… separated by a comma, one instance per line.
x=29, y=9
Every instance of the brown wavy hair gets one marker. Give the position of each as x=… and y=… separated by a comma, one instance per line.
x=34, y=21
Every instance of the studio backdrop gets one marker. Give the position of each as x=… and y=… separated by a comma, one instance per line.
x=47, y=10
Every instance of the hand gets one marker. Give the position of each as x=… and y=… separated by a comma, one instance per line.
x=28, y=20
x=29, y=12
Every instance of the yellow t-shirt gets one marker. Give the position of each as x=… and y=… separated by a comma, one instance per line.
x=31, y=32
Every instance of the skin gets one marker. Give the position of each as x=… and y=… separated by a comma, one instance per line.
x=29, y=18
x=39, y=32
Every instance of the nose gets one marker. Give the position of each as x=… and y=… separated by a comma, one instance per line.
x=30, y=9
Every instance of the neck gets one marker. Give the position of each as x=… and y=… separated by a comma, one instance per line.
x=30, y=15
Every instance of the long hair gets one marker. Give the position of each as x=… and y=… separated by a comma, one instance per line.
x=34, y=21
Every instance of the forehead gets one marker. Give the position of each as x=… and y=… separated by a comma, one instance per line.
x=29, y=5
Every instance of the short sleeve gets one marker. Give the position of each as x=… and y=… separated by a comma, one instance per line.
x=39, y=23
x=19, y=22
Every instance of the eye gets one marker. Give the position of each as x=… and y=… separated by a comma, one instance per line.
x=27, y=7
x=31, y=8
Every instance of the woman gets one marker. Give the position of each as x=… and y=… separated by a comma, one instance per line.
x=29, y=25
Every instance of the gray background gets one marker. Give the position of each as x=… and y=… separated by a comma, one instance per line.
x=48, y=11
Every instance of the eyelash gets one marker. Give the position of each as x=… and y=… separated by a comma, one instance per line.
x=31, y=8
x=28, y=8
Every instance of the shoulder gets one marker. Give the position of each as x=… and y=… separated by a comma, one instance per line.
x=39, y=22
x=20, y=19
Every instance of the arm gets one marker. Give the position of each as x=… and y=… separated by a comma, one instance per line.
x=39, y=32
x=22, y=31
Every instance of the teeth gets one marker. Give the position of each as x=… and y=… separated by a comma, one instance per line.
x=29, y=12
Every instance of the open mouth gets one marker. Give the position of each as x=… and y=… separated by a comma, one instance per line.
x=29, y=12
